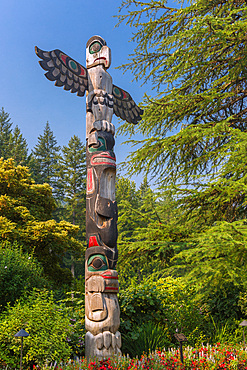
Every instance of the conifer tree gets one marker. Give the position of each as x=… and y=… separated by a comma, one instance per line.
x=72, y=204
x=141, y=233
x=19, y=148
x=194, y=128
x=12, y=143
x=44, y=159
x=5, y=134
x=195, y=58
x=72, y=182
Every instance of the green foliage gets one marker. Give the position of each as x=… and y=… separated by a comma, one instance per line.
x=145, y=237
x=19, y=273
x=72, y=182
x=243, y=302
x=227, y=332
x=73, y=307
x=19, y=149
x=150, y=337
x=5, y=134
x=72, y=197
x=194, y=56
x=215, y=263
x=44, y=158
x=194, y=129
x=195, y=139
x=165, y=303
x=25, y=216
x=44, y=321
x=12, y=143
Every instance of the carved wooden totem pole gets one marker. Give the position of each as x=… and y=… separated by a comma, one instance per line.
x=102, y=317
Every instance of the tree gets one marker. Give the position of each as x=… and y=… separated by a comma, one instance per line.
x=26, y=217
x=19, y=148
x=72, y=182
x=195, y=128
x=5, y=134
x=45, y=157
x=195, y=58
x=12, y=143
x=144, y=240
x=72, y=185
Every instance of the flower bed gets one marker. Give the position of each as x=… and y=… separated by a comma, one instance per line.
x=208, y=357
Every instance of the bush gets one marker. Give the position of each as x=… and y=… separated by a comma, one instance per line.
x=150, y=337
x=47, y=325
x=19, y=272
x=73, y=307
x=165, y=303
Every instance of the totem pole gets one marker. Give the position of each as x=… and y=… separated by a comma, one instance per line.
x=102, y=314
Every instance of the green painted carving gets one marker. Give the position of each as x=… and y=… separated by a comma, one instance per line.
x=97, y=262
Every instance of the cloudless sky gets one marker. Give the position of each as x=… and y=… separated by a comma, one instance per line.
x=31, y=99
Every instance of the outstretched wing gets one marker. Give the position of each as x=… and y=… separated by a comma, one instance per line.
x=124, y=106
x=64, y=70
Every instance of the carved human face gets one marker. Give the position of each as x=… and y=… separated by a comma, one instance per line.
x=101, y=295
x=97, y=52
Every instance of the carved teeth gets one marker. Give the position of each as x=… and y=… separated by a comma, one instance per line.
x=99, y=341
x=118, y=339
x=105, y=340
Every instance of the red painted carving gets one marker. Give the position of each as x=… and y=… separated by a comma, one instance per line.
x=93, y=242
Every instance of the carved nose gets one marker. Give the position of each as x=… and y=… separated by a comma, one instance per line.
x=97, y=302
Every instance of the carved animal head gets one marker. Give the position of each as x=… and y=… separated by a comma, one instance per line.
x=97, y=52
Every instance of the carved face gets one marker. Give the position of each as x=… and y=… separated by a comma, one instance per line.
x=97, y=52
x=100, y=299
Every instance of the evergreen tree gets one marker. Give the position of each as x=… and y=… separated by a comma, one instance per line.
x=44, y=159
x=5, y=134
x=72, y=181
x=196, y=125
x=195, y=58
x=72, y=204
x=195, y=129
x=19, y=148
x=143, y=248
x=12, y=143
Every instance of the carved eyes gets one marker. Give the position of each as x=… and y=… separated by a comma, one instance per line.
x=95, y=47
x=101, y=146
x=97, y=262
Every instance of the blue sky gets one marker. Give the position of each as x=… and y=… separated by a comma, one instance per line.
x=32, y=100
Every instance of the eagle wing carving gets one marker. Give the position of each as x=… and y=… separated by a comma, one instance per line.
x=64, y=70
x=124, y=106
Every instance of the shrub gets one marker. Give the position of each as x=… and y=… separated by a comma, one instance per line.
x=19, y=272
x=164, y=303
x=73, y=307
x=48, y=327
